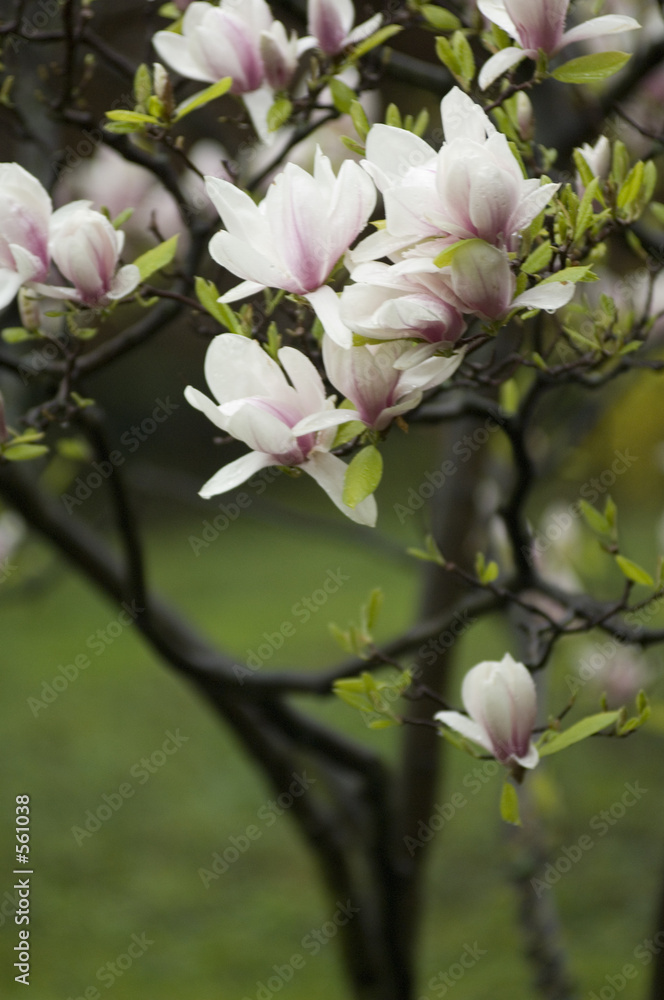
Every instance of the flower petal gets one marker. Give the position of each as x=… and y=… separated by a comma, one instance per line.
x=235, y=473
x=325, y=302
x=608, y=24
x=499, y=64
x=329, y=472
x=465, y=727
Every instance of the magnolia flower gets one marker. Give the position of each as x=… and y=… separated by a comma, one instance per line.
x=280, y=412
x=383, y=381
x=240, y=40
x=500, y=701
x=540, y=24
x=295, y=237
x=481, y=282
x=25, y=211
x=473, y=187
x=85, y=247
x=401, y=300
x=331, y=21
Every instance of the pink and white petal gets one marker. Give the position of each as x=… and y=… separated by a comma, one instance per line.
x=551, y=295
x=305, y=379
x=608, y=24
x=377, y=245
x=353, y=200
x=531, y=759
x=258, y=103
x=262, y=430
x=406, y=403
x=246, y=262
x=365, y=29
x=532, y=205
x=463, y=118
x=28, y=265
x=494, y=10
x=238, y=212
x=173, y=49
x=323, y=420
x=124, y=282
x=203, y=403
x=55, y=291
x=325, y=303
x=466, y=727
x=396, y=152
x=235, y=473
x=329, y=472
x=500, y=63
x=10, y=282
x=237, y=367
x=241, y=291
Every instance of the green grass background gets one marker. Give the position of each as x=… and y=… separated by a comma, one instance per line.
x=139, y=873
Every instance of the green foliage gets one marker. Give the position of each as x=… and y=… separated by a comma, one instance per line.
x=279, y=113
x=588, y=69
x=363, y=475
x=157, y=258
x=509, y=804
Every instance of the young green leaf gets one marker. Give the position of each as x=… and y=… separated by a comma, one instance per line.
x=203, y=97
x=157, y=258
x=208, y=294
x=362, y=476
x=634, y=572
x=579, y=731
x=587, y=69
x=509, y=804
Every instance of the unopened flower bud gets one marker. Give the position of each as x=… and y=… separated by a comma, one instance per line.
x=524, y=116
x=163, y=88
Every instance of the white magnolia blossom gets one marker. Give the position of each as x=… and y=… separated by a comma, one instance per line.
x=86, y=248
x=282, y=413
x=240, y=40
x=331, y=24
x=473, y=187
x=500, y=699
x=481, y=282
x=408, y=299
x=295, y=236
x=383, y=381
x=540, y=24
x=25, y=213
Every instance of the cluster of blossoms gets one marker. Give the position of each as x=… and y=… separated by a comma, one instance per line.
x=245, y=42
x=394, y=333
x=80, y=241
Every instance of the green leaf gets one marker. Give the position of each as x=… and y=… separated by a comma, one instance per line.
x=446, y=256
x=587, y=69
x=342, y=95
x=203, y=97
x=378, y=38
x=207, y=294
x=120, y=219
x=362, y=476
x=464, y=55
x=586, y=214
x=279, y=113
x=509, y=804
x=431, y=554
x=657, y=209
x=157, y=258
x=23, y=452
x=353, y=145
x=75, y=449
x=142, y=84
x=421, y=123
x=579, y=731
x=611, y=515
x=633, y=571
x=122, y=128
x=346, y=432
x=384, y=723
x=131, y=117
x=373, y=606
x=15, y=334
x=393, y=116
x=439, y=18
x=448, y=57
x=583, y=272
x=593, y=518
x=539, y=259
x=359, y=119
x=629, y=191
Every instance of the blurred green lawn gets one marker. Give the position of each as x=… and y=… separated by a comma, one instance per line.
x=139, y=873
